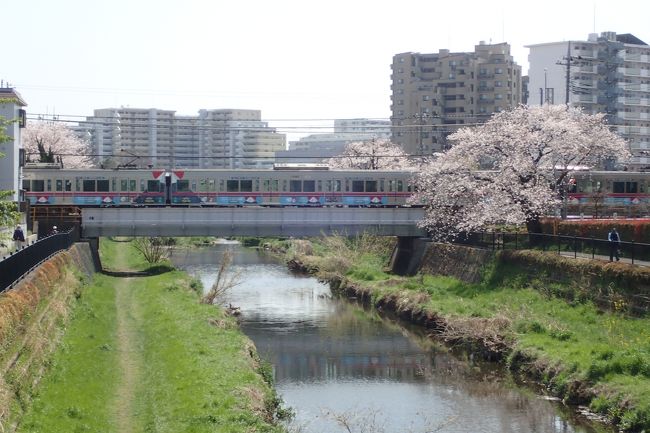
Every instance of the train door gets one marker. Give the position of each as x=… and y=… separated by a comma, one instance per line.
x=168, y=189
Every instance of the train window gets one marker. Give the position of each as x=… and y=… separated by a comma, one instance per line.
x=371, y=186
x=347, y=185
x=221, y=185
x=113, y=184
x=357, y=186
x=183, y=185
x=68, y=185
x=631, y=187
x=284, y=185
x=203, y=185
x=319, y=186
x=102, y=185
x=124, y=185
x=88, y=185
x=132, y=184
x=152, y=185
x=257, y=184
x=232, y=185
x=400, y=186
x=381, y=185
x=26, y=185
x=336, y=186
x=618, y=187
x=77, y=184
x=38, y=185
x=295, y=186
x=49, y=184
x=211, y=185
x=193, y=185
x=309, y=186
x=142, y=185
x=246, y=186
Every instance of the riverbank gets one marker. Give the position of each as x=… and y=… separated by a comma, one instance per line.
x=142, y=354
x=578, y=352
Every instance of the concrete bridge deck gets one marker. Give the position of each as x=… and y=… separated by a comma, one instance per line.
x=250, y=221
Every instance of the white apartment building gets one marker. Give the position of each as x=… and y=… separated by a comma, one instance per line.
x=608, y=73
x=317, y=147
x=224, y=138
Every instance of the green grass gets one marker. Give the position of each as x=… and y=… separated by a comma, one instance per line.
x=118, y=254
x=191, y=367
x=74, y=394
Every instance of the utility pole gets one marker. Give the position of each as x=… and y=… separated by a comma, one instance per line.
x=568, y=72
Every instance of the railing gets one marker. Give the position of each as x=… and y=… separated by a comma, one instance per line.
x=14, y=266
x=576, y=246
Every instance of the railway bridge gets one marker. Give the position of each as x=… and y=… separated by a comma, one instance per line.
x=250, y=221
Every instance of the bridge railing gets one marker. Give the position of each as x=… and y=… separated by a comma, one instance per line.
x=16, y=265
x=635, y=252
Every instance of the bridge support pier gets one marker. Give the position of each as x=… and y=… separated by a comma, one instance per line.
x=408, y=254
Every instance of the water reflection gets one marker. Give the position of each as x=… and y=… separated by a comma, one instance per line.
x=332, y=359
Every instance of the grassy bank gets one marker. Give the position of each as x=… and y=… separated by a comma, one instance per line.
x=579, y=352
x=142, y=354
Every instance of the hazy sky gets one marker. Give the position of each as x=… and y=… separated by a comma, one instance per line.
x=293, y=60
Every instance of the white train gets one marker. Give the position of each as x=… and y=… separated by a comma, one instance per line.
x=285, y=185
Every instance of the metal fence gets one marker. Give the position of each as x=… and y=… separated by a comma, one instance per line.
x=16, y=265
x=635, y=252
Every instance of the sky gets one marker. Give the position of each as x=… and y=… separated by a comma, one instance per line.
x=301, y=62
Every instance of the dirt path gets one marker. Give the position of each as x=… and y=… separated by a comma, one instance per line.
x=129, y=355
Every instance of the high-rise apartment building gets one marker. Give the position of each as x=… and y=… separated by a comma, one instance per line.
x=435, y=94
x=607, y=73
x=151, y=137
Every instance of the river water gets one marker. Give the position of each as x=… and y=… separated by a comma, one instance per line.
x=340, y=367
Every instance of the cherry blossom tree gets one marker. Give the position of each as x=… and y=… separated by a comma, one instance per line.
x=512, y=169
x=54, y=142
x=375, y=154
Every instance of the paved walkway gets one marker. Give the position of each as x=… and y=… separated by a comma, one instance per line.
x=623, y=258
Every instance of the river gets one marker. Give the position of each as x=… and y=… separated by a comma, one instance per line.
x=341, y=368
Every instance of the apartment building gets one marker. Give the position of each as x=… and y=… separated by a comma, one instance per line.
x=435, y=94
x=318, y=147
x=607, y=73
x=224, y=138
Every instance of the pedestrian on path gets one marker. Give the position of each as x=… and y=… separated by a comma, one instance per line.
x=614, y=244
x=19, y=237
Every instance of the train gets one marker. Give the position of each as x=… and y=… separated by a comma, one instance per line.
x=588, y=192
x=284, y=185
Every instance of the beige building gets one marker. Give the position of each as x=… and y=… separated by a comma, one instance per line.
x=151, y=137
x=435, y=94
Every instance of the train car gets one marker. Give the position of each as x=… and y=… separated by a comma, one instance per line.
x=600, y=193
x=283, y=186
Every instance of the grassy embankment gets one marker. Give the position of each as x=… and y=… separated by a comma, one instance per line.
x=142, y=354
x=578, y=351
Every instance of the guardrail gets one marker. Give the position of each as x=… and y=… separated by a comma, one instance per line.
x=635, y=252
x=16, y=265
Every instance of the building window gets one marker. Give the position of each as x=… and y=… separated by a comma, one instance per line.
x=498, y=70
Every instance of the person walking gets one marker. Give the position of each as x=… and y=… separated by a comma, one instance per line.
x=19, y=237
x=614, y=244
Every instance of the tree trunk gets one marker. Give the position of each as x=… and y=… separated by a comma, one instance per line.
x=534, y=227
